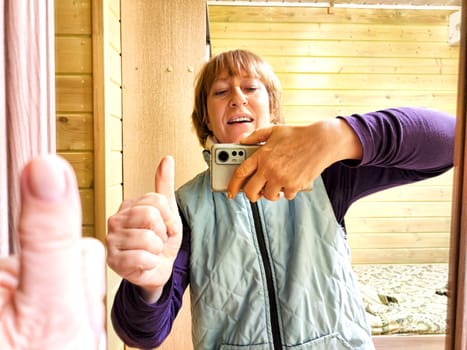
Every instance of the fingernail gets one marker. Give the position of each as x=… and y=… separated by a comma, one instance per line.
x=46, y=178
x=229, y=195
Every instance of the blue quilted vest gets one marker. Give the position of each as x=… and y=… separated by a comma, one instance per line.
x=270, y=275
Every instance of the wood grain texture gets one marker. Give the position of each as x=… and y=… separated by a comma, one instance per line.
x=163, y=46
x=74, y=86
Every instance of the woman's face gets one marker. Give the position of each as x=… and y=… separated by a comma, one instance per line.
x=237, y=106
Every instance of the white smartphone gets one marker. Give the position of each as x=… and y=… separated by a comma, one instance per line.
x=225, y=158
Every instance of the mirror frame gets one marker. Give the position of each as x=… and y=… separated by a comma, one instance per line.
x=457, y=317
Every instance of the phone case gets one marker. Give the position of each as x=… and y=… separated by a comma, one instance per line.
x=225, y=158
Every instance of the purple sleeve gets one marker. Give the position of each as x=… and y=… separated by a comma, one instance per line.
x=400, y=146
x=144, y=325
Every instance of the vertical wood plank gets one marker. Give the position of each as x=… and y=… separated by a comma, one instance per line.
x=457, y=308
x=162, y=49
x=99, y=125
x=163, y=46
x=107, y=111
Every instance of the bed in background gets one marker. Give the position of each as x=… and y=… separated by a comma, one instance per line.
x=405, y=303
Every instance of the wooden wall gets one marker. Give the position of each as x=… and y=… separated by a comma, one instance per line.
x=74, y=102
x=353, y=61
x=88, y=97
x=108, y=144
x=163, y=46
x=89, y=112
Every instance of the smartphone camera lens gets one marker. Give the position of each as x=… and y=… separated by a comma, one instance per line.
x=223, y=156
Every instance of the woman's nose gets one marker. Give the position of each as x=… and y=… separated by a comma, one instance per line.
x=238, y=98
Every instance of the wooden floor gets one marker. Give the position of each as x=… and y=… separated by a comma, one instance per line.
x=412, y=342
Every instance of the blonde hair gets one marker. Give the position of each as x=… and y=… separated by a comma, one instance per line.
x=233, y=62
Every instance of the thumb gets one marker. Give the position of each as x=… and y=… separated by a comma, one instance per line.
x=49, y=229
x=257, y=136
x=165, y=180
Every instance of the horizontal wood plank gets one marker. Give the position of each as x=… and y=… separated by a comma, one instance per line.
x=83, y=165
x=397, y=224
x=315, y=30
x=113, y=32
x=428, y=193
x=389, y=255
x=73, y=93
x=73, y=17
x=114, y=96
x=405, y=342
x=114, y=169
x=114, y=7
x=88, y=231
x=115, y=198
x=249, y=14
x=400, y=209
x=74, y=132
x=338, y=48
x=399, y=240
x=73, y=54
x=363, y=65
x=115, y=134
x=304, y=115
x=114, y=66
x=385, y=82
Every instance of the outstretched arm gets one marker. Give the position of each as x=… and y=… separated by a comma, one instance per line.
x=401, y=145
x=292, y=157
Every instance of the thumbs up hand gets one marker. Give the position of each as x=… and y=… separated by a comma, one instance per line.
x=51, y=292
x=145, y=234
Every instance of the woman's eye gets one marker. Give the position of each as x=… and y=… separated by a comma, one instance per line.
x=220, y=92
x=251, y=88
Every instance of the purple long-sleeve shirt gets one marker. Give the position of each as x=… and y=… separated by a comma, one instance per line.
x=400, y=146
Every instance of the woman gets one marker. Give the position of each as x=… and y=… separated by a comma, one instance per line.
x=265, y=272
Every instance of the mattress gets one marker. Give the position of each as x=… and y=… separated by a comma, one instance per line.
x=404, y=299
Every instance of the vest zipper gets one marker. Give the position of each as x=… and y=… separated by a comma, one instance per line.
x=274, y=316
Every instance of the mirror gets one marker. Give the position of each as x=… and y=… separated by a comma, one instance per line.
x=250, y=21
x=77, y=27
x=355, y=59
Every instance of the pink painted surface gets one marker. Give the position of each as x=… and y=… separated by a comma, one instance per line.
x=28, y=108
x=3, y=144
